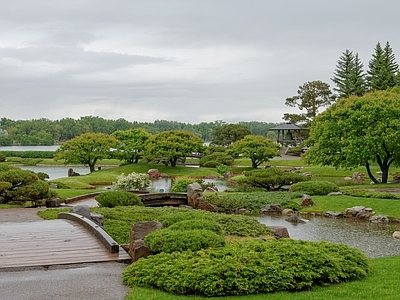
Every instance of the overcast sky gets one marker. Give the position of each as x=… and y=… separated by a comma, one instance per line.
x=179, y=60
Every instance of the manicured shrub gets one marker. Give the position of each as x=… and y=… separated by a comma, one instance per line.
x=118, y=198
x=197, y=224
x=132, y=181
x=29, y=154
x=216, y=158
x=2, y=157
x=167, y=240
x=180, y=185
x=251, y=267
x=314, y=187
x=370, y=194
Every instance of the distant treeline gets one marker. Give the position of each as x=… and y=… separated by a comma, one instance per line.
x=45, y=132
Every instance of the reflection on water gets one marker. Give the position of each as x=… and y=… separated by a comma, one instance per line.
x=375, y=240
x=163, y=185
x=55, y=172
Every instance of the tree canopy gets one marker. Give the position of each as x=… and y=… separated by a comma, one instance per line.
x=311, y=97
x=21, y=185
x=357, y=131
x=87, y=149
x=229, y=133
x=132, y=144
x=258, y=148
x=169, y=146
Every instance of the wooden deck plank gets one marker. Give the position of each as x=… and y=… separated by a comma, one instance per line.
x=54, y=242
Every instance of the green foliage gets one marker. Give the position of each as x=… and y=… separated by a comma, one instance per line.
x=168, y=241
x=228, y=134
x=30, y=161
x=258, y=148
x=87, y=149
x=356, y=131
x=250, y=201
x=222, y=169
x=349, y=75
x=21, y=185
x=29, y=154
x=315, y=187
x=42, y=175
x=132, y=144
x=2, y=157
x=291, y=205
x=251, y=267
x=132, y=181
x=170, y=146
x=180, y=185
x=216, y=158
x=118, y=198
x=272, y=178
x=197, y=224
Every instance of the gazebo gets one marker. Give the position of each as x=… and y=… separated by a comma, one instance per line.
x=289, y=134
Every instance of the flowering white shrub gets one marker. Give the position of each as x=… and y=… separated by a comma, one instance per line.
x=132, y=181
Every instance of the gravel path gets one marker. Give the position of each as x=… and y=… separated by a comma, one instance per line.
x=20, y=214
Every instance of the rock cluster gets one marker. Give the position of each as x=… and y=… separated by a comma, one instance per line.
x=137, y=247
x=84, y=210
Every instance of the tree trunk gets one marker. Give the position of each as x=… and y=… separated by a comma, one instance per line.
x=374, y=180
x=91, y=167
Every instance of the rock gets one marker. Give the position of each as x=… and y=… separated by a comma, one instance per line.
x=154, y=174
x=379, y=219
x=347, y=178
x=53, y=185
x=362, y=215
x=212, y=177
x=358, y=177
x=194, y=193
x=287, y=212
x=243, y=211
x=82, y=210
x=137, y=247
x=204, y=205
x=353, y=211
x=333, y=214
x=271, y=209
x=97, y=218
x=72, y=173
x=306, y=201
x=308, y=174
x=335, y=194
x=280, y=232
x=396, y=234
x=397, y=221
x=211, y=189
x=295, y=218
x=53, y=202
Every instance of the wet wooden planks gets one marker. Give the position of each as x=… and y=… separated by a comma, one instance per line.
x=51, y=242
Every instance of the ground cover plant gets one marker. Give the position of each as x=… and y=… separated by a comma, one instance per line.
x=249, y=267
x=118, y=198
x=314, y=187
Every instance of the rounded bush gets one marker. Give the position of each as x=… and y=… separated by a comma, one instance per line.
x=180, y=185
x=118, y=198
x=166, y=240
x=215, y=159
x=2, y=157
x=314, y=187
x=197, y=224
x=251, y=267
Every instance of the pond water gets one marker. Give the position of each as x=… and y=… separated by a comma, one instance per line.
x=29, y=148
x=375, y=240
x=55, y=172
x=163, y=185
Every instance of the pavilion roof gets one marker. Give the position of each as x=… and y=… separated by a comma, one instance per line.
x=287, y=126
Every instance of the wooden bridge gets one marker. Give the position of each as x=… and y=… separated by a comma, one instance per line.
x=70, y=239
x=164, y=199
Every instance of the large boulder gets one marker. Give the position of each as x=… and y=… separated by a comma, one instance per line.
x=53, y=202
x=379, y=219
x=306, y=201
x=195, y=194
x=82, y=210
x=352, y=212
x=280, y=232
x=271, y=209
x=295, y=218
x=333, y=214
x=137, y=247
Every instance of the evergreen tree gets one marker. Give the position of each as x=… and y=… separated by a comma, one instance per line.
x=349, y=75
x=383, y=68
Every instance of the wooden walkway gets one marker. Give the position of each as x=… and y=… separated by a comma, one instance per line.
x=52, y=242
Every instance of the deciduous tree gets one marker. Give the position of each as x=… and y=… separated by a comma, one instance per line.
x=132, y=144
x=357, y=131
x=169, y=146
x=258, y=148
x=229, y=133
x=87, y=149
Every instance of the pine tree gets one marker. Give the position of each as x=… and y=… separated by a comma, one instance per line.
x=383, y=68
x=349, y=75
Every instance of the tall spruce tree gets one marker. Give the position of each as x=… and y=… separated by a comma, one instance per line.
x=349, y=75
x=383, y=68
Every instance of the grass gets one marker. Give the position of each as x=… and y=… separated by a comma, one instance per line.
x=10, y=206
x=390, y=208
x=70, y=193
x=382, y=283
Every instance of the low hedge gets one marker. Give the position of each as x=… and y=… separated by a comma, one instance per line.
x=371, y=194
x=168, y=241
x=251, y=267
x=118, y=198
x=29, y=154
x=317, y=188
